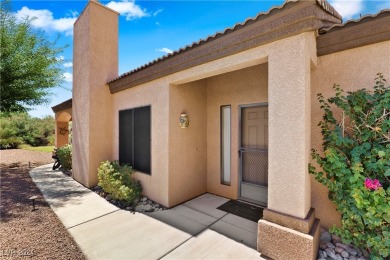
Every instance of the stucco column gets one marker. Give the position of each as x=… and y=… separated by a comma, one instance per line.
x=95, y=62
x=289, y=229
x=289, y=126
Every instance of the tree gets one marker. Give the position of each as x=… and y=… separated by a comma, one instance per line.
x=29, y=66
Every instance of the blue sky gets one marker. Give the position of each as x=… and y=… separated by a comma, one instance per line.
x=151, y=28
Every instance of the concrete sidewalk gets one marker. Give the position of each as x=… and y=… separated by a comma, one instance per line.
x=193, y=230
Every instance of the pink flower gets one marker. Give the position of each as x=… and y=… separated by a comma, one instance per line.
x=372, y=184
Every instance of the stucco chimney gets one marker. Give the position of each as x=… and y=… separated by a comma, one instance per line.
x=95, y=61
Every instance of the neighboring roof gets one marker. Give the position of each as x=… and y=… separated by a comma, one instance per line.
x=353, y=22
x=62, y=106
x=320, y=20
x=368, y=29
x=330, y=9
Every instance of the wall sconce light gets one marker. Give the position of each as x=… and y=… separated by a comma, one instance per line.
x=63, y=130
x=183, y=120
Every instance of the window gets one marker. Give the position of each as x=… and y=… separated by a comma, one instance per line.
x=225, y=144
x=134, y=138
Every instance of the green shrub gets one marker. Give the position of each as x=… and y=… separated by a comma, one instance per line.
x=8, y=135
x=116, y=180
x=21, y=128
x=356, y=164
x=64, y=153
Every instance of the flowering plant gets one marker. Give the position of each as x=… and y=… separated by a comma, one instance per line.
x=355, y=164
x=372, y=184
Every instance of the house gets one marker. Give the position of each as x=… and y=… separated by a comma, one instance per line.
x=249, y=94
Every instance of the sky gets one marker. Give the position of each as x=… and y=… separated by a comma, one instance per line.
x=149, y=29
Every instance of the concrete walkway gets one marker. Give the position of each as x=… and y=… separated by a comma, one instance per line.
x=193, y=230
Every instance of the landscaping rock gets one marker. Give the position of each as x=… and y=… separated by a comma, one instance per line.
x=344, y=254
x=336, y=239
x=323, y=246
x=321, y=255
x=351, y=251
x=341, y=246
x=330, y=252
x=337, y=250
x=143, y=204
x=325, y=236
x=143, y=208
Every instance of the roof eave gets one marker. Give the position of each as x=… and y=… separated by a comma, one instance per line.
x=62, y=106
x=287, y=20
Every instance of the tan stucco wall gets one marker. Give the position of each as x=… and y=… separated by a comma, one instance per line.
x=289, y=124
x=187, y=146
x=352, y=69
x=61, y=139
x=155, y=94
x=242, y=87
x=95, y=62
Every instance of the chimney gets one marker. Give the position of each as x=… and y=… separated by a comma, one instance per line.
x=95, y=62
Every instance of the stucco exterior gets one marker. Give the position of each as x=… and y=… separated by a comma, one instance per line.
x=96, y=52
x=352, y=69
x=187, y=146
x=156, y=95
x=289, y=125
x=241, y=87
x=282, y=58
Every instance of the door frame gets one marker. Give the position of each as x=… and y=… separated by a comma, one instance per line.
x=240, y=107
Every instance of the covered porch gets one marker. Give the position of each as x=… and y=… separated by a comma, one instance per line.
x=271, y=84
x=63, y=123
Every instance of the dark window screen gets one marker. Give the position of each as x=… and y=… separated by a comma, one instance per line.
x=134, y=138
x=142, y=139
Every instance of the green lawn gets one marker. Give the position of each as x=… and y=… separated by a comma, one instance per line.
x=47, y=149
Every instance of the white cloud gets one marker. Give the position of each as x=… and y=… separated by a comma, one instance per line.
x=157, y=12
x=68, y=77
x=68, y=65
x=165, y=50
x=348, y=8
x=128, y=9
x=60, y=58
x=43, y=19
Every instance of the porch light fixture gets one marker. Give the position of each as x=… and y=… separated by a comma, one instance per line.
x=183, y=120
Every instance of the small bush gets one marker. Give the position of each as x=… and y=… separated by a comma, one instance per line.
x=116, y=180
x=8, y=135
x=355, y=164
x=64, y=153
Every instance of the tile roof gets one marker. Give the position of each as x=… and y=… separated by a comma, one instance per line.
x=322, y=3
x=352, y=22
x=62, y=106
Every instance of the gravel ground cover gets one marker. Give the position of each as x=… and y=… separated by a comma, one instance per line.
x=25, y=233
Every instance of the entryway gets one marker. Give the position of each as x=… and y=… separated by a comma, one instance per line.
x=253, y=153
